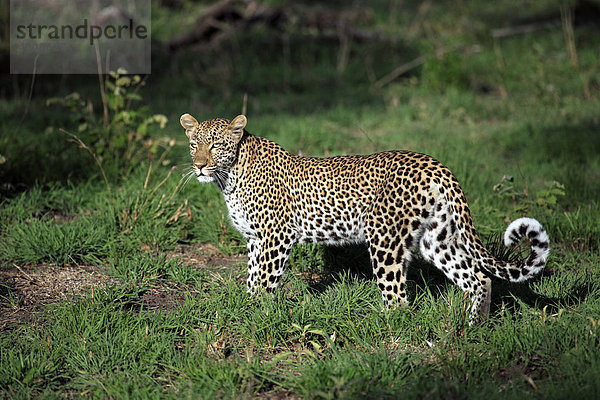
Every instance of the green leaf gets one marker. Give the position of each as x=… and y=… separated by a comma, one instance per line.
x=123, y=81
x=54, y=100
x=133, y=96
x=119, y=141
x=124, y=116
x=160, y=119
x=142, y=128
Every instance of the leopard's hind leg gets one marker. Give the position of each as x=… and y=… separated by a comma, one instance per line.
x=441, y=245
x=390, y=241
x=389, y=267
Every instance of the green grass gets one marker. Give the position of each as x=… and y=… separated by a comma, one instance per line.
x=335, y=344
x=179, y=324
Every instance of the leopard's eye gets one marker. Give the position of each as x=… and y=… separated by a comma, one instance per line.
x=216, y=145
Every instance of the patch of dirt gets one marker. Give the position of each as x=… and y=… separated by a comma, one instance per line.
x=207, y=256
x=164, y=299
x=279, y=394
x=26, y=290
x=530, y=371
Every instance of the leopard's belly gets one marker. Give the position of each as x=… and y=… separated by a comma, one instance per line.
x=328, y=228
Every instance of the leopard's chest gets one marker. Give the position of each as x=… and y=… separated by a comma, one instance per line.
x=239, y=216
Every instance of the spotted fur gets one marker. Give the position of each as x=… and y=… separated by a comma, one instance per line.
x=395, y=201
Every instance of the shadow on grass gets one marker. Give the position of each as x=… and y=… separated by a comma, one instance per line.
x=424, y=276
x=508, y=295
x=338, y=260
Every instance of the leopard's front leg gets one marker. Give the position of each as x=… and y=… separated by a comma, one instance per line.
x=253, y=246
x=267, y=260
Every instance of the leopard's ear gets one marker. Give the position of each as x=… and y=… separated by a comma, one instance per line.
x=189, y=123
x=237, y=126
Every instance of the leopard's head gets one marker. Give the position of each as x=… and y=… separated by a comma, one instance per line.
x=213, y=145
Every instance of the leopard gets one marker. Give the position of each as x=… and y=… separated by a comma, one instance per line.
x=396, y=202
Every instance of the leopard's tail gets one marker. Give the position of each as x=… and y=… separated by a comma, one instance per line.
x=540, y=246
x=521, y=270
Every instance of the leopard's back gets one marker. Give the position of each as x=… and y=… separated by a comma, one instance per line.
x=326, y=200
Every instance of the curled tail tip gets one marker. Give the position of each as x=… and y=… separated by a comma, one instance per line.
x=525, y=227
x=538, y=238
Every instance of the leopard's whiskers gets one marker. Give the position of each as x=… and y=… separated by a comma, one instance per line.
x=187, y=177
x=220, y=178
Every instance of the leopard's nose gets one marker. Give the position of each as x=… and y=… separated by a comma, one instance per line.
x=199, y=166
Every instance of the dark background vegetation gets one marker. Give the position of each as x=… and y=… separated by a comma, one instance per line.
x=119, y=278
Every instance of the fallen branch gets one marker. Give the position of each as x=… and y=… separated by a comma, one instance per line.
x=399, y=71
x=221, y=18
x=404, y=68
x=417, y=62
x=523, y=29
x=228, y=17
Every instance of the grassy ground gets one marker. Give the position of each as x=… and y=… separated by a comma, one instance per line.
x=134, y=287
